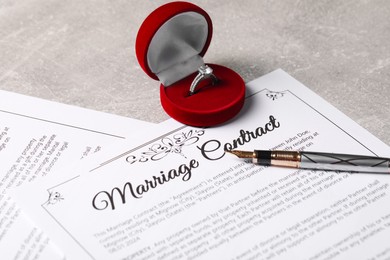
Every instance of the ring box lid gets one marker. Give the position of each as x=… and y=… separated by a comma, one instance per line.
x=172, y=40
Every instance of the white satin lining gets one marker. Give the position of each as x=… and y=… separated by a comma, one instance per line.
x=174, y=50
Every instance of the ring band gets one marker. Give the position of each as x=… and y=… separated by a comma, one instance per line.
x=205, y=72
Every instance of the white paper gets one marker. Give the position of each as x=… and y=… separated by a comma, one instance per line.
x=37, y=138
x=179, y=196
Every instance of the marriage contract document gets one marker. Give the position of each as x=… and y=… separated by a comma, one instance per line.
x=180, y=196
x=38, y=137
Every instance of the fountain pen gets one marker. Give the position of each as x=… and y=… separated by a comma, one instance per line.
x=317, y=160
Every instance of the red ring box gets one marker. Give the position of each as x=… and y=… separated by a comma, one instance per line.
x=170, y=46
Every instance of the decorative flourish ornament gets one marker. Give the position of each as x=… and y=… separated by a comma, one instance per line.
x=168, y=145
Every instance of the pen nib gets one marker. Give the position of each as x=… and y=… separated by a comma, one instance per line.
x=241, y=154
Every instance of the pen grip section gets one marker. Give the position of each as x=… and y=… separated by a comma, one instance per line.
x=344, y=162
x=277, y=158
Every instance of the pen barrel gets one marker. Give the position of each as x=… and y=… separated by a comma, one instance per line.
x=344, y=162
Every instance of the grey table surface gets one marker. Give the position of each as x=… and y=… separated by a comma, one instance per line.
x=82, y=52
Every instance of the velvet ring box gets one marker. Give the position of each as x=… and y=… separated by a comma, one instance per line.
x=170, y=46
